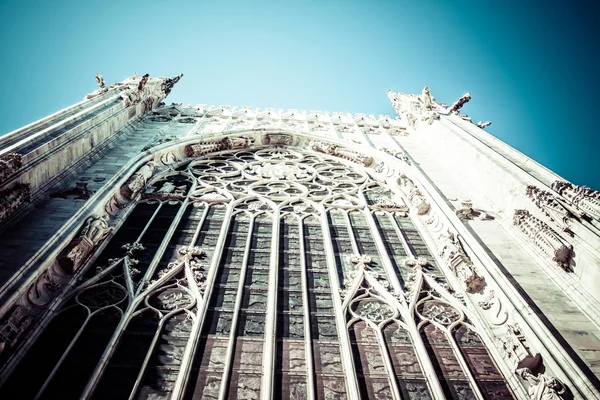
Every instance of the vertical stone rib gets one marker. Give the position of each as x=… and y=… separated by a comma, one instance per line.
x=268, y=371
x=236, y=314
x=310, y=372
x=345, y=347
x=188, y=358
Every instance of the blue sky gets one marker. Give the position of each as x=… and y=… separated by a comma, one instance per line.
x=531, y=66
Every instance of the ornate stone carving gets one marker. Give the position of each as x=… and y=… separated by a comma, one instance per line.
x=100, y=82
x=414, y=195
x=168, y=84
x=385, y=204
x=167, y=191
x=514, y=349
x=551, y=206
x=454, y=255
x=137, y=181
x=542, y=387
x=416, y=263
x=9, y=163
x=278, y=139
x=458, y=104
x=74, y=255
x=13, y=327
x=11, y=199
x=483, y=125
x=342, y=152
x=141, y=85
x=426, y=99
x=96, y=229
x=582, y=197
x=544, y=238
x=398, y=154
x=467, y=212
x=147, y=105
x=202, y=148
x=51, y=282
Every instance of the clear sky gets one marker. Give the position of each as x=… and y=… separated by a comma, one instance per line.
x=531, y=66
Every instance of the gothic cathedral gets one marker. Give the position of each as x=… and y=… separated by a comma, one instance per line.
x=153, y=251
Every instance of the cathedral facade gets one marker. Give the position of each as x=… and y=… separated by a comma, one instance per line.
x=150, y=251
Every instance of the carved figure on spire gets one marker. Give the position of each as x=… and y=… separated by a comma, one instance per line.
x=100, y=82
x=458, y=104
x=483, y=125
x=426, y=98
x=169, y=83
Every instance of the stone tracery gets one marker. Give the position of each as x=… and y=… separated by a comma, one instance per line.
x=256, y=183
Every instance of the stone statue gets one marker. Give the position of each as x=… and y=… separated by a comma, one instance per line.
x=95, y=229
x=100, y=82
x=542, y=387
x=168, y=84
x=426, y=98
x=460, y=102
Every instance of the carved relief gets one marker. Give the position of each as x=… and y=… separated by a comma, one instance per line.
x=582, y=197
x=137, y=181
x=11, y=199
x=278, y=139
x=168, y=191
x=74, y=255
x=398, y=154
x=202, y=148
x=385, y=204
x=544, y=238
x=542, y=387
x=342, y=152
x=14, y=326
x=414, y=195
x=551, y=206
x=9, y=163
x=454, y=255
x=514, y=349
x=468, y=212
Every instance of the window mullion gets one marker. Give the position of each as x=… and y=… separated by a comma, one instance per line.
x=188, y=357
x=199, y=227
x=164, y=244
x=385, y=354
x=62, y=358
x=154, y=214
x=308, y=351
x=351, y=233
x=401, y=236
x=463, y=364
x=236, y=314
x=345, y=347
x=144, y=365
x=387, y=264
x=134, y=301
x=271, y=317
x=432, y=379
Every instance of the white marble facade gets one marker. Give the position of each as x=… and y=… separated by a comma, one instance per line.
x=231, y=252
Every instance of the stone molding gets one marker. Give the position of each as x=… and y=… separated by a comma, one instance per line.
x=544, y=238
x=585, y=199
